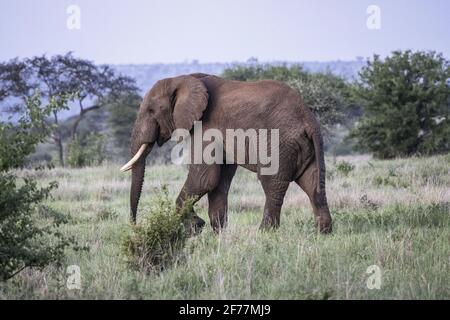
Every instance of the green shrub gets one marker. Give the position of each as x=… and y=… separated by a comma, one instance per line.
x=76, y=157
x=159, y=238
x=89, y=151
x=29, y=234
x=25, y=242
x=344, y=167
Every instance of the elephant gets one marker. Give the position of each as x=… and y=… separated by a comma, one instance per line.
x=222, y=104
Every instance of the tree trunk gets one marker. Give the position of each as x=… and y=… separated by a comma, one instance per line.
x=80, y=117
x=58, y=140
x=60, y=150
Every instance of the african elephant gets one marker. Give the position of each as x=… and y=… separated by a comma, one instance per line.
x=222, y=104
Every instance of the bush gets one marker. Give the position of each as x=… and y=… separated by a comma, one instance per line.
x=25, y=241
x=344, y=167
x=158, y=240
x=76, y=156
x=29, y=235
x=87, y=152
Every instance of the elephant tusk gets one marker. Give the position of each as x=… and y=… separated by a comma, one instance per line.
x=133, y=160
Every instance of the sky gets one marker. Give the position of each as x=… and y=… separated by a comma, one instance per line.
x=158, y=31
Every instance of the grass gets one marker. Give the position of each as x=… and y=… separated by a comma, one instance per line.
x=393, y=214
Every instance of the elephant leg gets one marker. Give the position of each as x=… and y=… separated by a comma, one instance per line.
x=274, y=191
x=308, y=181
x=201, y=180
x=218, y=198
x=197, y=222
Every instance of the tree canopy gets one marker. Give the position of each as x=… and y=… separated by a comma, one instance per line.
x=406, y=102
x=90, y=86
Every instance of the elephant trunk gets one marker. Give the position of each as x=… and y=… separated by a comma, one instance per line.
x=137, y=180
x=144, y=135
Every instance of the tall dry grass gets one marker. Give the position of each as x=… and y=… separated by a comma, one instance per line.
x=393, y=214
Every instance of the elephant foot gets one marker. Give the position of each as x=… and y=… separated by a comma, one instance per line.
x=197, y=225
x=324, y=225
x=266, y=228
x=218, y=229
x=269, y=225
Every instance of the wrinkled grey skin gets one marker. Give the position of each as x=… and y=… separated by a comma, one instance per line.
x=225, y=104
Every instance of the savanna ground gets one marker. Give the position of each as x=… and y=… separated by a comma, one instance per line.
x=393, y=214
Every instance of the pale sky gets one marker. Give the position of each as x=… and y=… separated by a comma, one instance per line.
x=138, y=31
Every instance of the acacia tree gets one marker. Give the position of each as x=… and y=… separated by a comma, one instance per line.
x=87, y=84
x=406, y=103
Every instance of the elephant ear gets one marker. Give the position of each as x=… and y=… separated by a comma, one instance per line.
x=190, y=100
